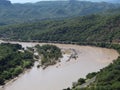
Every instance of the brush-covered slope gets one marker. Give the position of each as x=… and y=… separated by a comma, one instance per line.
x=95, y=28
x=17, y=13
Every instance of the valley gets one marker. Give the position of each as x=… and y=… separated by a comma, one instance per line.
x=71, y=71
x=60, y=45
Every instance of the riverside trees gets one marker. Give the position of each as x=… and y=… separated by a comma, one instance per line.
x=50, y=54
x=12, y=61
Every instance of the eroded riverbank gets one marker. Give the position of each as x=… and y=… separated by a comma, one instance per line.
x=89, y=59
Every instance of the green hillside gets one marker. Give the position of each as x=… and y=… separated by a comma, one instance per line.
x=29, y=12
x=91, y=28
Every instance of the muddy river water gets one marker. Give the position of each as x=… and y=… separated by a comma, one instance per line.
x=60, y=76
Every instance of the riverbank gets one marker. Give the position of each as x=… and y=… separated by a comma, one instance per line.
x=8, y=82
x=90, y=59
x=106, y=79
x=67, y=52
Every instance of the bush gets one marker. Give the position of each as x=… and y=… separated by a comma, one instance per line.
x=91, y=75
x=81, y=81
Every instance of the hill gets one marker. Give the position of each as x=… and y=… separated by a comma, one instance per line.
x=29, y=12
x=5, y=3
x=91, y=28
x=109, y=1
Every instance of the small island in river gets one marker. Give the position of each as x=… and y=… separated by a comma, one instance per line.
x=48, y=54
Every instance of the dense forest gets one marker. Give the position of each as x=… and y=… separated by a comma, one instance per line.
x=49, y=54
x=91, y=28
x=30, y=12
x=13, y=61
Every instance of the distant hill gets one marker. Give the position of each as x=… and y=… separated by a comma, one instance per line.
x=91, y=28
x=17, y=13
x=114, y=1
x=109, y=1
x=5, y=3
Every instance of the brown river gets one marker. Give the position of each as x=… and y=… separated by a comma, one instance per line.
x=60, y=76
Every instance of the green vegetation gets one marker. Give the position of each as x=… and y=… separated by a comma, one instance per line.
x=13, y=61
x=97, y=30
x=29, y=12
x=50, y=54
x=81, y=81
x=109, y=77
x=91, y=75
x=92, y=28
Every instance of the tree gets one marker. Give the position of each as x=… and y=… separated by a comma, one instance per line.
x=81, y=81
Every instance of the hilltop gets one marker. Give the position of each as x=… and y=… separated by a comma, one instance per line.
x=44, y=10
x=5, y=3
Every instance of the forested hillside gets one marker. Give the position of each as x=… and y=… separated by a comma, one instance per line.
x=91, y=28
x=29, y=12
